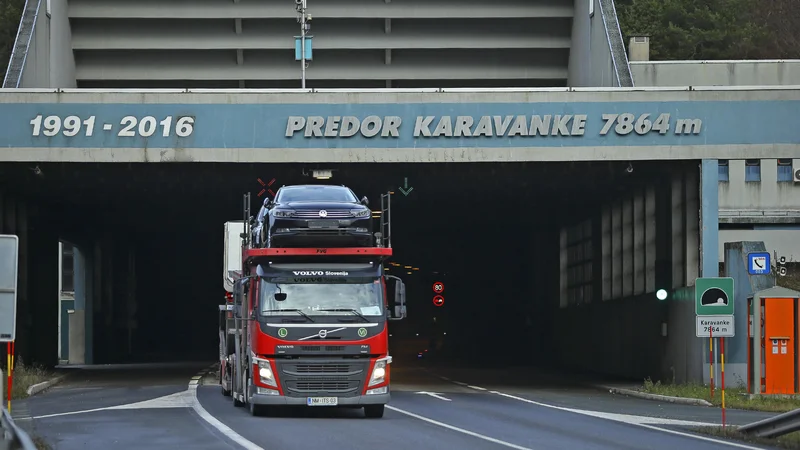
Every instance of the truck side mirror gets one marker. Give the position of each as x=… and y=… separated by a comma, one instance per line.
x=399, y=301
x=365, y=201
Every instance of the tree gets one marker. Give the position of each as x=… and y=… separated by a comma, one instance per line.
x=782, y=19
x=10, y=13
x=696, y=29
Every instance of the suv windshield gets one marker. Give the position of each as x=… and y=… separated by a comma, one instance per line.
x=362, y=296
x=316, y=194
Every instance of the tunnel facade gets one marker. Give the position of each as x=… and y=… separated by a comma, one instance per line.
x=551, y=216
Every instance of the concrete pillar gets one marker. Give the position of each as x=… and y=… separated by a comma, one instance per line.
x=97, y=278
x=709, y=218
x=89, y=301
x=77, y=320
x=41, y=317
x=18, y=224
x=132, y=304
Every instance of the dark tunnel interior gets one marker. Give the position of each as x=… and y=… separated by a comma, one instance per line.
x=470, y=226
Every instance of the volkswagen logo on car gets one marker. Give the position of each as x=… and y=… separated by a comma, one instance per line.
x=323, y=213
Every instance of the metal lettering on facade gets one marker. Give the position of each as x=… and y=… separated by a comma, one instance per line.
x=489, y=126
x=189, y=124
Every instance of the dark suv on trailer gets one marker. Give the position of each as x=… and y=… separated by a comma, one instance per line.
x=314, y=215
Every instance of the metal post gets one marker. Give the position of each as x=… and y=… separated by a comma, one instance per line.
x=303, y=43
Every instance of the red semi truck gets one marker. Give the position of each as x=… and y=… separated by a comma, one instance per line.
x=306, y=326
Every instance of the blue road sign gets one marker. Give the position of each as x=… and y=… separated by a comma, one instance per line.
x=758, y=263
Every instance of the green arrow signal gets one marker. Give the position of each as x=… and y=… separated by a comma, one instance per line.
x=405, y=189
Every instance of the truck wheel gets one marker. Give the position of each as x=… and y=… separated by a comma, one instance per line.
x=237, y=403
x=224, y=392
x=373, y=411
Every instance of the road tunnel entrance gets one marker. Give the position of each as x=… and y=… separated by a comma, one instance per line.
x=536, y=263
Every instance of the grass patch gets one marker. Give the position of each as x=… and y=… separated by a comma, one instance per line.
x=735, y=398
x=24, y=377
x=40, y=443
x=791, y=440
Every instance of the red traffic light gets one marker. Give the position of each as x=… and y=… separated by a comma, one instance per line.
x=438, y=300
x=438, y=287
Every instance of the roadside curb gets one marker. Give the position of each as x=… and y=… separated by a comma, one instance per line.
x=662, y=398
x=39, y=387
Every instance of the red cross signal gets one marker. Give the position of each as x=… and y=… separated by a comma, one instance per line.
x=438, y=287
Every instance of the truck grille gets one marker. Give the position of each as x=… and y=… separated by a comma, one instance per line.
x=342, y=378
x=322, y=386
x=322, y=368
x=319, y=348
x=314, y=214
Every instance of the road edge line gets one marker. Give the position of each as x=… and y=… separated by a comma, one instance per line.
x=695, y=436
x=645, y=425
x=213, y=421
x=455, y=428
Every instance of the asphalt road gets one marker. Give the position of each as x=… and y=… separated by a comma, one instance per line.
x=467, y=409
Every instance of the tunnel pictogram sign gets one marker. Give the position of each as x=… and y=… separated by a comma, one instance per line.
x=438, y=287
x=438, y=300
x=713, y=296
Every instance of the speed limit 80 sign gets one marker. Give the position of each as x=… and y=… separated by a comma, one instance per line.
x=438, y=287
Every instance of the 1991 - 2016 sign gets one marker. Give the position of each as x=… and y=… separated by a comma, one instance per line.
x=129, y=126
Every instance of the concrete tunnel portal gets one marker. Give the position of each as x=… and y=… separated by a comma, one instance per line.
x=529, y=253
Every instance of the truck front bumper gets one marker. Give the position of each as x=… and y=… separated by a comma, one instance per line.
x=361, y=400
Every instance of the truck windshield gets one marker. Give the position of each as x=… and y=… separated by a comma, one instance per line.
x=365, y=296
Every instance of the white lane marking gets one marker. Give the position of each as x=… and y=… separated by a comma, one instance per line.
x=221, y=427
x=703, y=438
x=459, y=383
x=176, y=400
x=435, y=395
x=214, y=422
x=642, y=421
x=625, y=418
x=476, y=387
x=460, y=430
x=445, y=378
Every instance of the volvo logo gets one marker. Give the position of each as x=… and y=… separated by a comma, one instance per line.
x=323, y=213
x=323, y=334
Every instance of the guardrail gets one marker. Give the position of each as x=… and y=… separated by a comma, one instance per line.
x=774, y=426
x=14, y=438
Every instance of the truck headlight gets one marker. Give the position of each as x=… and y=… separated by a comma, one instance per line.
x=265, y=373
x=378, y=373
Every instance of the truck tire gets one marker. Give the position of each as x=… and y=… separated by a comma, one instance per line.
x=373, y=411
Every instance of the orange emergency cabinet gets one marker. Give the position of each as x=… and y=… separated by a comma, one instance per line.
x=773, y=350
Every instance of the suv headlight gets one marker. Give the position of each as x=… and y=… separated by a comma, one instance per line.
x=284, y=213
x=378, y=372
x=265, y=373
x=360, y=212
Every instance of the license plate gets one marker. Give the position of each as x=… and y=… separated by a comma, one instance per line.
x=323, y=224
x=322, y=401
